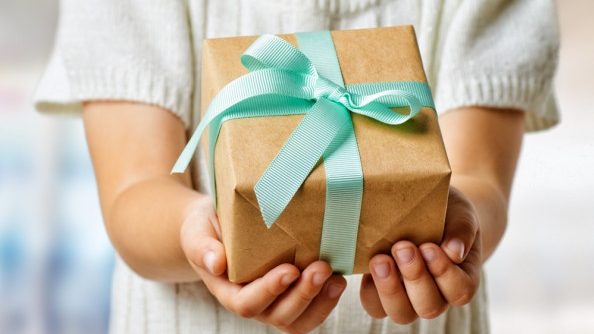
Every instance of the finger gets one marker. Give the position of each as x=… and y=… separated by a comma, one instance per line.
x=321, y=306
x=461, y=226
x=251, y=299
x=201, y=243
x=474, y=260
x=295, y=300
x=456, y=285
x=420, y=287
x=391, y=292
x=370, y=299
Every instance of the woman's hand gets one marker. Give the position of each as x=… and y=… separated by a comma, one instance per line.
x=424, y=281
x=285, y=298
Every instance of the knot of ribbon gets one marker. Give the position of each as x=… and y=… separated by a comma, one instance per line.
x=282, y=80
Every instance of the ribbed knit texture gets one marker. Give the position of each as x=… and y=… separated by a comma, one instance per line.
x=495, y=53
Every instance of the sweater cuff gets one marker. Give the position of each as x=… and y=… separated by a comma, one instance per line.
x=63, y=90
x=529, y=94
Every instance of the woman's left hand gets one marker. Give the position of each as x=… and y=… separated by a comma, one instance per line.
x=424, y=281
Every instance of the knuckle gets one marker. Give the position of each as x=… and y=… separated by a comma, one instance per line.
x=462, y=300
x=464, y=296
x=392, y=293
x=373, y=308
x=377, y=314
x=431, y=313
x=404, y=319
x=273, y=289
x=281, y=323
x=414, y=272
x=243, y=310
x=290, y=329
x=439, y=267
x=392, y=290
x=305, y=296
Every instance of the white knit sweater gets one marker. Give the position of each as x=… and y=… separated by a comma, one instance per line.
x=476, y=52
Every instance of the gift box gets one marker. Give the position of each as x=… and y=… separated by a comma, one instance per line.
x=382, y=177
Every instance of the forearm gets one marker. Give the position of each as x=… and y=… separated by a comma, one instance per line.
x=133, y=147
x=483, y=146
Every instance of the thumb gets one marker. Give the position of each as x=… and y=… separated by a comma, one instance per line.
x=461, y=227
x=200, y=240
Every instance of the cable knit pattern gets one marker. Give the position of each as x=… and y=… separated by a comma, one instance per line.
x=497, y=53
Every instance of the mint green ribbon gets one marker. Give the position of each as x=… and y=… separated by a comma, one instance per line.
x=284, y=81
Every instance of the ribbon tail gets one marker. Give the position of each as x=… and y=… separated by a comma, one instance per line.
x=344, y=196
x=188, y=152
x=304, y=148
x=260, y=83
x=261, y=106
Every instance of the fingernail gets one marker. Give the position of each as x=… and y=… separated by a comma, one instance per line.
x=318, y=279
x=457, y=247
x=404, y=255
x=287, y=279
x=209, y=261
x=334, y=290
x=381, y=269
x=428, y=253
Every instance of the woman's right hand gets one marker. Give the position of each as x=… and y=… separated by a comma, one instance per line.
x=292, y=301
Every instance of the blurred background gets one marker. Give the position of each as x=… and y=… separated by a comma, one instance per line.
x=56, y=261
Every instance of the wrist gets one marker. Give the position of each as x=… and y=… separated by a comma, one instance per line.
x=144, y=227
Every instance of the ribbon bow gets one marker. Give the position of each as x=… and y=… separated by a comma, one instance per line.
x=282, y=80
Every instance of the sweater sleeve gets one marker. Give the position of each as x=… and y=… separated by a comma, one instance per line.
x=120, y=50
x=500, y=53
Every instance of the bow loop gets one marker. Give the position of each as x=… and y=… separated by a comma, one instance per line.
x=270, y=51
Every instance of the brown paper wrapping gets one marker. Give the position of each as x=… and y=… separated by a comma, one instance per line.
x=405, y=168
